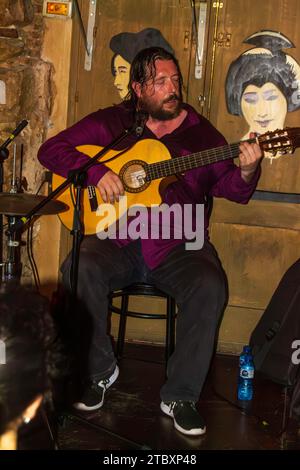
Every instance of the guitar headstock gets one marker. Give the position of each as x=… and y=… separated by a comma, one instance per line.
x=280, y=141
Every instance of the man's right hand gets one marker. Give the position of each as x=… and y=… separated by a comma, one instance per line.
x=110, y=187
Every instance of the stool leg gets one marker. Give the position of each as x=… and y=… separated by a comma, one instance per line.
x=122, y=326
x=170, y=328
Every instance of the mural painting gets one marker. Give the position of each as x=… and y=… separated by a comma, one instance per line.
x=125, y=46
x=263, y=84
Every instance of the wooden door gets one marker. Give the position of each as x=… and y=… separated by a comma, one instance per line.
x=257, y=242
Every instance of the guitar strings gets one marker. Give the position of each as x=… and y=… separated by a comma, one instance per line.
x=169, y=167
x=188, y=162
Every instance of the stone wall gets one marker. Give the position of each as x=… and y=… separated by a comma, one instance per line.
x=25, y=91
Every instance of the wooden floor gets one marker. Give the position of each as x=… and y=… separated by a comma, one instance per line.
x=131, y=418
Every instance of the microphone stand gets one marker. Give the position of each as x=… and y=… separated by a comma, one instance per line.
x=78, y=178
x=3, y=156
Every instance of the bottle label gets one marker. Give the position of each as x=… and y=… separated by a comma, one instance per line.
x=247, y=373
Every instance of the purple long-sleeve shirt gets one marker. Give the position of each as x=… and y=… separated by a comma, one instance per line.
x=222, y=179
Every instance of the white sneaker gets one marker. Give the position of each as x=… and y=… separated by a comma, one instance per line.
x=93, y=396
x=186, y=417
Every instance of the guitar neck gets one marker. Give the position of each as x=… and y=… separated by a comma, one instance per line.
x=188, y=162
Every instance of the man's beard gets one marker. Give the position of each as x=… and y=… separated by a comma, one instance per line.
x=156, y=110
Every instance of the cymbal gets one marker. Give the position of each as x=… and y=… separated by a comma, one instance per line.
x=22, y=203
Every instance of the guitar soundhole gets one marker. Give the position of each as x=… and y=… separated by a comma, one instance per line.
x=133, y=176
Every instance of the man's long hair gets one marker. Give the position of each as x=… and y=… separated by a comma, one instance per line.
x=143, y=69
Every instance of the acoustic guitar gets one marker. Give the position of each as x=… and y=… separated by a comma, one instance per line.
x=143, y=167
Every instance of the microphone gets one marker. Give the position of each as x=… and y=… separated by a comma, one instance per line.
x=14, y=134
x=140, y=121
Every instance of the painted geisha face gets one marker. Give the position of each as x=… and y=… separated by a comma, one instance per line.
x=121, y=71
x=264, y=108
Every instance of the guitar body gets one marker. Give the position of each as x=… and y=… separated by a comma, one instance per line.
x=143, y=167
x=129, y=167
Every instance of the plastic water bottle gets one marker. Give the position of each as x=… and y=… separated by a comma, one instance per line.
x=246, y=374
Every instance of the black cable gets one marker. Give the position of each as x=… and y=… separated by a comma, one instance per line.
x=29, y=246
x=46, y=420
x=73, y=198
x=97, y=427
x=81, y=26
x=40, y=186
x=72, y=190
x=193, y=7
x=31, y=257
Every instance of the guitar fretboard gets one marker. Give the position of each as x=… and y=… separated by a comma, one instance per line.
x=188, y=162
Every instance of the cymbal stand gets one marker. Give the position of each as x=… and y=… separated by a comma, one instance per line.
x=3, y=156
x=15, y=181
x=12, y=267
x=4, y=153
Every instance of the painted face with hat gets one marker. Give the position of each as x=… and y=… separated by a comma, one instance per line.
x=263, y=83
x=125, y=47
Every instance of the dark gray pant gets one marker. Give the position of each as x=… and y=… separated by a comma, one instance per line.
x=194, y=278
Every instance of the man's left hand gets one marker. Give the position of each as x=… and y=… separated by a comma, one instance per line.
x=250, y=157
